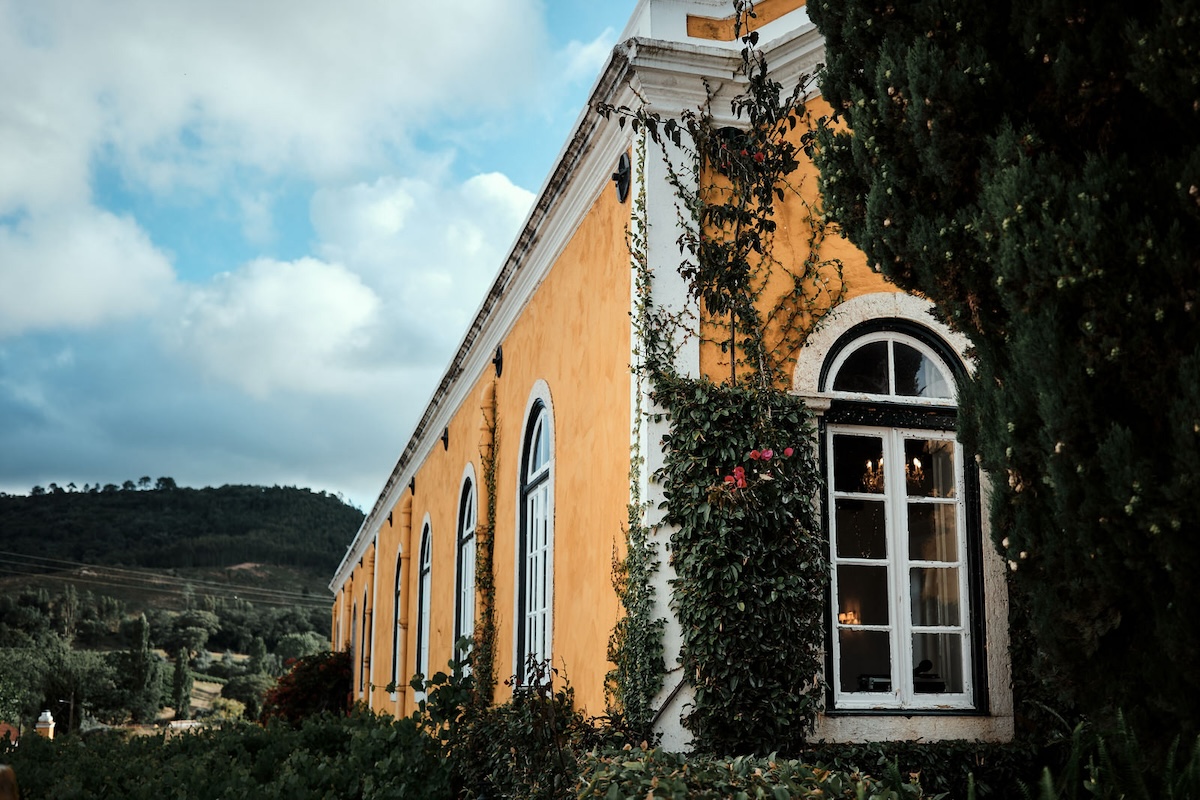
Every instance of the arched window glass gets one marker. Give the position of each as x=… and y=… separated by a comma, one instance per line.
x=900, y=506
x=423, y=600
x=537, y=533
x=464, y=612
x=894, y=366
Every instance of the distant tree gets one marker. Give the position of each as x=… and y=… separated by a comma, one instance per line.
x=165, y=484
x=181, y=686
x=128, y=486
x=258, y=655
x=37, y=491
x=141, y=673
x=67, y=612
x=110, y=488
x=249, y=689
x=294, y=646
x=144, y=482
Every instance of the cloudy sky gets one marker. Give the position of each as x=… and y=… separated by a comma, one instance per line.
x=239, y=240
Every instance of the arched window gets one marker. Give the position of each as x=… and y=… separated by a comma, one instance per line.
x=464, y=610
x=902, y=513
x=423, y=598
x=396, y=598
x=354, y=653
x=535, y=561
x=365, y=657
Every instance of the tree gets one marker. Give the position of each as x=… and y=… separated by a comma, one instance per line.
x=141, y=673
x=1033, y=168
x=181, y=685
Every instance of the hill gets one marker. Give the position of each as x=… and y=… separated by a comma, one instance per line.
x=170, y=527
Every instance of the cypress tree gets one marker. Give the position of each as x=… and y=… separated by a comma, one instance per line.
x=181, y=685
x=1033, y=167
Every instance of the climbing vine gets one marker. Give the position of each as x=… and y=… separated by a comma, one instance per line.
x=635, y=647
x=483, y=655
x=740, y=475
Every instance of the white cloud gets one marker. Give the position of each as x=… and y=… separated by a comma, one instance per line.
x=176, y=92
x=276, y=325
x=428, y=246
x=77, y=269
x=584, y=60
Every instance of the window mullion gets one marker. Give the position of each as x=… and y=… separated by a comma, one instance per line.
x=897, y=498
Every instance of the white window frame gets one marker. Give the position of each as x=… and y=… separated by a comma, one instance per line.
x=397, y=601
x=533, y=633
x=900, y=627
x=902, y=694
x=468, y=519
x=424, y=598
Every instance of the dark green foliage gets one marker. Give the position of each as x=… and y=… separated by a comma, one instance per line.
x=182, y=527
x=1033, y=167
x=739, y=478
x=360, y=757
x=315, y=684
x=531, y=747
x=952, y=768
x=673, y=776
x=250, y=690
x=143, y=672
x=181, y=685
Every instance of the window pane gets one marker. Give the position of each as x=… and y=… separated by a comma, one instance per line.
x=865, y=370
x=860, y=529
x=934, y=592
x=918, y=376
x=862, y=595
x=937, y=660
x=929, y=467
x=932, y=532
x=866, y=661
x=858, y=464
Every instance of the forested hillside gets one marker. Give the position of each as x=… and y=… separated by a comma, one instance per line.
x=165, y=526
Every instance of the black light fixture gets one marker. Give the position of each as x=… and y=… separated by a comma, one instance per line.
x=446, y=438
x=498, y=360
x=412, y=485
x=622, y=177
x=389, y=519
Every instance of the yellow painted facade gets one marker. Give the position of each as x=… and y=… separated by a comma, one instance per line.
x=560, y=309
x=573, y=334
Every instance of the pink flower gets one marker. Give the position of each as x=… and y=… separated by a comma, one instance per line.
x=787, y=452
x=739, y=472
x=729, y=479
x=755, y=455
x=767, y=455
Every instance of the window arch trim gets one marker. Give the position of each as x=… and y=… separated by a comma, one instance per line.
x=465, y=555
x=535, y=491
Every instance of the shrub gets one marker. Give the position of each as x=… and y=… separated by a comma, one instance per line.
x=633, y=775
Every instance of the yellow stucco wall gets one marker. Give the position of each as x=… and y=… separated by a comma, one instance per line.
x=791, y=248
x=573, y=334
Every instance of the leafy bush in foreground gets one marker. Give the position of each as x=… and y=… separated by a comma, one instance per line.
x=359, y=757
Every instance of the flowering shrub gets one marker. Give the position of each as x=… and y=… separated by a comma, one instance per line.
x=750, y=563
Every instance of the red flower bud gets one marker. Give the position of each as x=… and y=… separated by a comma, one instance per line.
x=759, y=157
x=787, y=452
x=755, y=455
